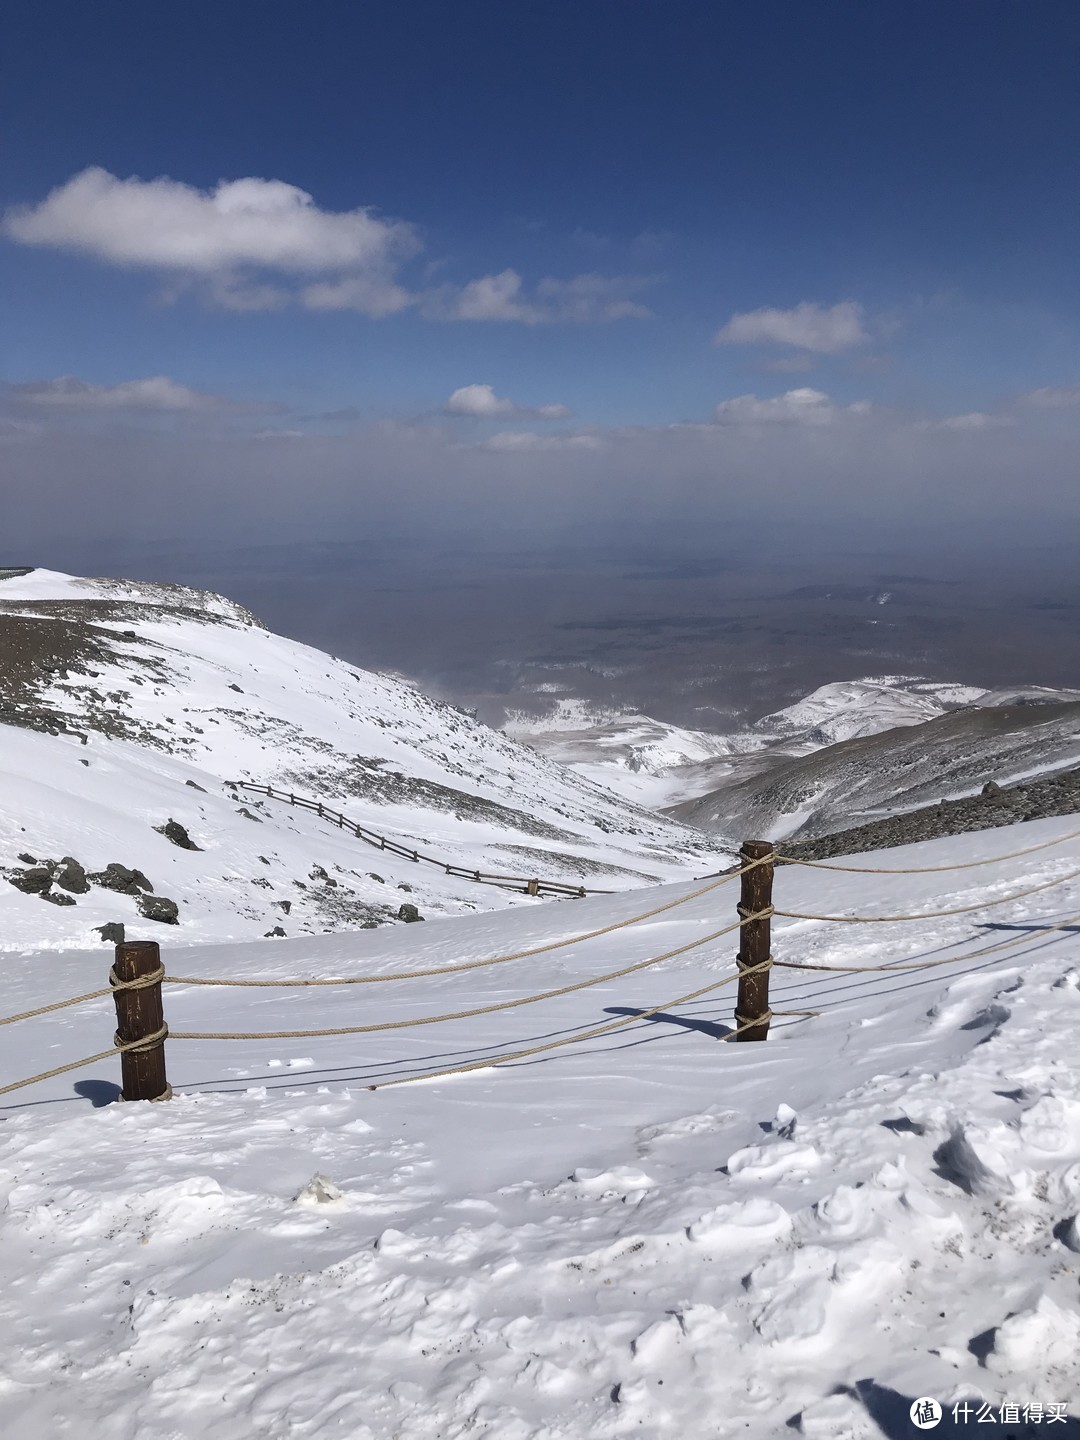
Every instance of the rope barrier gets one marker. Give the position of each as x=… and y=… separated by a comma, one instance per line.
x=743, y=1023
x=924, y=869
x=476, y=964
x=597, y=1030
x=146, y=1042
x=464, y=1014
x=929, y=914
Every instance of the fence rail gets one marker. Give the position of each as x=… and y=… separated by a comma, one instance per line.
x=137, y=977
x=527, y=885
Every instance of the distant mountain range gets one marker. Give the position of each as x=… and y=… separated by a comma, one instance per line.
x=846, y=753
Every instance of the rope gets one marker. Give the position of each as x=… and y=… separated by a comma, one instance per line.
x=928, y=914
x=143, y=1043
x=925, y=869
x=140, y=982
x=747, y=1023
x=480, y=964
x=926, y=964
x=57, y=1005
x=605, y=1029
x=460, y=1014
x=115, y=983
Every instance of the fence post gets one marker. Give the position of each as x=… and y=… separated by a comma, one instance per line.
x=532, y=887
x=136, y=984
x=752, y=1006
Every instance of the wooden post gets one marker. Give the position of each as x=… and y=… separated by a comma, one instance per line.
x=139, y=1016
x=532, y=887
x=753, y=1002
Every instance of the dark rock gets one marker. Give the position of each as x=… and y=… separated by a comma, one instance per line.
x=174, y=831
x=285, y=905
x=28, y=859
x=275, y=933
x=120, y=879
x=112, y=933
x=263, y=858
x=32, y=882
x=194, y=786
x=71, y=876
x=318, y=873
x=407, y=888
x=991, y=788
x=236, y=688
x=55, y=897
x=373, y=876
x=157, y=907
x=247, y=814
x=409, y=913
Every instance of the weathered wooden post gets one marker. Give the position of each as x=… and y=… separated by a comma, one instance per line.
x=532, y=887
x=136, y=979
x=752, y=1006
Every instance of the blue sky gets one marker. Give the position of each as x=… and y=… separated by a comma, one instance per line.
x=631, y=213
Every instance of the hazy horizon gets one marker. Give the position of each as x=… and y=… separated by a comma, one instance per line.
x=637, y=345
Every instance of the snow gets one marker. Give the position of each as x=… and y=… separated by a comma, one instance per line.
x=647, y=1233
x=190, y=692
x=658, y=764
x=849, y=709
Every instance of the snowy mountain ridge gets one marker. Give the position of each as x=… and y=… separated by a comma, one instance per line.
x=128, y=704
x=660, y=764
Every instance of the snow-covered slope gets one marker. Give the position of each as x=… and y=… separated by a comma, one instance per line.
x=851, y=709
x=646, y=760
x=126, y=705
x=645, y=1234
x=658, y=764
x=875, y=775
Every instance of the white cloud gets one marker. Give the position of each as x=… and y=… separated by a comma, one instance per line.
x=825, y=330
x=1053, y=397
x=224, y=237
x=582, y=300
x=521, y=441
x=254, y=244
x=976, y=420
x=482, y=402
x=373, y=296
x=478, y=400
x=798, y=407
x=168, y=225
x=156, y=393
